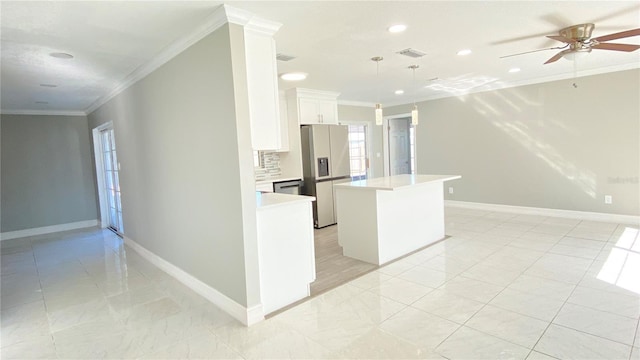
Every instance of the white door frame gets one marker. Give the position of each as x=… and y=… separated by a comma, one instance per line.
x=97, y=153
x=385, y=142
x=369, y=139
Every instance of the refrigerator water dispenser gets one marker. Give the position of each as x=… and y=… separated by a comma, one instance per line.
x=323, y=166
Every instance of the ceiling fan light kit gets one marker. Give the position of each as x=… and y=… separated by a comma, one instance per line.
x=579, y=32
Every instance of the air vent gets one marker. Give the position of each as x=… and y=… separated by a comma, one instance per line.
x=284, y=57
x=412, y=53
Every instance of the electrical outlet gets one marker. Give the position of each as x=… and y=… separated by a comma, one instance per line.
x=450, y=189
x=608, y=199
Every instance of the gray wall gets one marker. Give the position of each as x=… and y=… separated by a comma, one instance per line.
x=46, y=176
x=178, y=143
x=349, y=113
x=546, y=145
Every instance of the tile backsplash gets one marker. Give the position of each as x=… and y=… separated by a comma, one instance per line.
x=270, y=166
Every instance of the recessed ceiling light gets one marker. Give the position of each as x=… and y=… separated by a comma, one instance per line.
x=397, y=28
x=49, y=85
x=464, y=52
x=514, y=70
x=295, y=76
x=61, y=55
x=399, y=92
x=42, y=102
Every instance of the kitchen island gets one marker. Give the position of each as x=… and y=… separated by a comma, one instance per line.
x=382, y=219
x=285, y=248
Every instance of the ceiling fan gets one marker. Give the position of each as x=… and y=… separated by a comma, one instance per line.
x=577, y=39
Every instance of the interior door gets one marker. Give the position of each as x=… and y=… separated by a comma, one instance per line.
x=399, y=146
x=112, y=180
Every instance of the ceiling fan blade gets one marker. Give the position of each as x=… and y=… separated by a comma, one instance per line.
x=616, y=47
x=532, y=51
x=628, y=10
x=620, y=35
x=561, y=38
x=557, y=56
x=517, y=39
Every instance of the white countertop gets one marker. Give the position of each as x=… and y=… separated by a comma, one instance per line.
x=270, y=200
x=396, y=182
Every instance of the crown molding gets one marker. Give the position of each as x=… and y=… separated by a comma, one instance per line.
x=250, y=21
x=222, y=15
x=356, y=103
x=43, y=112
x=302, y=92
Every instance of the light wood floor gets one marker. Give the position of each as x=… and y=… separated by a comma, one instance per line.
x=332, y=268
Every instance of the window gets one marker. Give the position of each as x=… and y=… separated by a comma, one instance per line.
x=358, y=151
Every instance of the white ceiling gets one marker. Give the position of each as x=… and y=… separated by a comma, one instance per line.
x=332, y=40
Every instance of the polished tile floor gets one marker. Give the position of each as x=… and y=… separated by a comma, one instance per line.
x=503, y=286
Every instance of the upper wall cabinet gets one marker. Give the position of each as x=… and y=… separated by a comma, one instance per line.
x=284, y=124
x=313, y=106
x=262, y=85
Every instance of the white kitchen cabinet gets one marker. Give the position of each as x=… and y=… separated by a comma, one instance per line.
x=262, y=87
x=285, y=249
x=313, y=106
x=284, y=125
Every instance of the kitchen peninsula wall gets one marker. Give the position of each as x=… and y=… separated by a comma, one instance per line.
x=166, y=138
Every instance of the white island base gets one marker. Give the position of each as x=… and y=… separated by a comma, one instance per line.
x=382, y=219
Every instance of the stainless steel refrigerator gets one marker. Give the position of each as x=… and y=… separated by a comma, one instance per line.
x=325, y=162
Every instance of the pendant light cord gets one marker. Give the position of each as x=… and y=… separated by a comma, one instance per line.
x=414, y=86
x=378, y=81
x=378, y=110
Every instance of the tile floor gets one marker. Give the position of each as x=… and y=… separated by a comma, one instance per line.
x=503, y=286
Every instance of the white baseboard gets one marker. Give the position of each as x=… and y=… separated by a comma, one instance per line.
x=48, y=229
x=247, y=316
x=569, y=214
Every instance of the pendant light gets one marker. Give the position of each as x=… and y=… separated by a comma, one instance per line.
x=377, y=59
x=414, y=111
